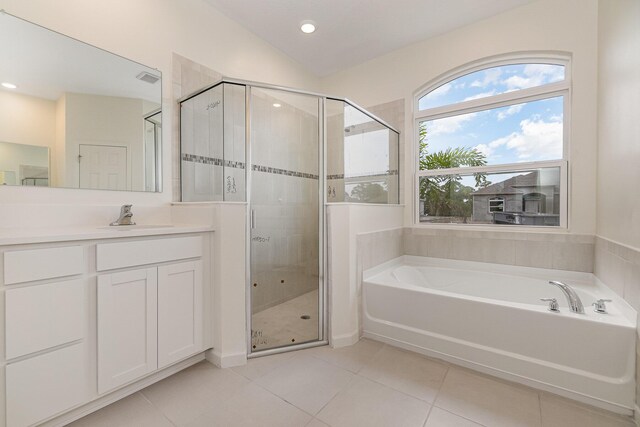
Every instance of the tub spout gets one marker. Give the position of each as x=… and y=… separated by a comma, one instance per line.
x=575, y=304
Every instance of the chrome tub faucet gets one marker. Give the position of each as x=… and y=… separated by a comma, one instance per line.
x=126, y=216
x=575, y=304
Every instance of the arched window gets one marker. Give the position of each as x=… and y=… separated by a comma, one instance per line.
x=489, y=133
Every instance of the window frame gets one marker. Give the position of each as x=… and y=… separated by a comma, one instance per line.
x=496, y=199
x=547, y=91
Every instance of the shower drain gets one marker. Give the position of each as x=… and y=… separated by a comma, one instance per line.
x=305, y=317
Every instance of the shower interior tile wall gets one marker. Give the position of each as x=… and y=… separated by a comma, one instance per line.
x=285, y=252
x=201, y=135
x=188, y=76
x=213, y=132
x=234, y=143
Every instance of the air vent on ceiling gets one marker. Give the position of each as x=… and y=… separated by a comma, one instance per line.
x=147, y=77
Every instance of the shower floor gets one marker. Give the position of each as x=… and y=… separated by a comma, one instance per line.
x=283, y=324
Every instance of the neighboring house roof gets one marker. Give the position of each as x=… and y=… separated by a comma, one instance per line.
x=513, y=185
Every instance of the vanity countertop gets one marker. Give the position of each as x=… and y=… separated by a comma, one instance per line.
x=21, y=236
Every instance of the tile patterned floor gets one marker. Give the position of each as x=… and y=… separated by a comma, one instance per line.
x=368, y=384
x=280, y=324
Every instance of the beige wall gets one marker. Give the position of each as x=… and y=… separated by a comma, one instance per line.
x=547, y=25
x=149, y=31
x=618, y=125
x=27, y=119
x=104, y=120
x=617, y=249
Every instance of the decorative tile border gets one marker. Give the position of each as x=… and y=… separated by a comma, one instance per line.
x=241, y=165
x=278, y=171
x=212, y=161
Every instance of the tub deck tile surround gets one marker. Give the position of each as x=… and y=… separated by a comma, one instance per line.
x=367, y=384
x=543, y=250
x=619, y=266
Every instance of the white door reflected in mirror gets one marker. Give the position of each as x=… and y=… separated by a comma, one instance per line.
x=82, y=118
x=103, y=167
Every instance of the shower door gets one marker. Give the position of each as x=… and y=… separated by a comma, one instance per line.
x=286, y=290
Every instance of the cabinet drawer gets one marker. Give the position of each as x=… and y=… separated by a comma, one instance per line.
x=43, y=316
x=38, y=264
x=130, y=254
x=46, y=385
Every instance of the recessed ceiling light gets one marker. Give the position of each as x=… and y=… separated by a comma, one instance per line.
x=9, y=85
x=277, y=105
x=307, y=27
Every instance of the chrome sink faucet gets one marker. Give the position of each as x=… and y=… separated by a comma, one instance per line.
x=575, y=304
x=125, y=216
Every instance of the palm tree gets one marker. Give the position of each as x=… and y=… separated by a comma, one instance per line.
x=445, y=195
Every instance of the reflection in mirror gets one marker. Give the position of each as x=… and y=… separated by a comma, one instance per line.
x=75, y=116
x=22, y=164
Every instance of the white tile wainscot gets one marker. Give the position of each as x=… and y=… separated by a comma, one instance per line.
x=69, y=344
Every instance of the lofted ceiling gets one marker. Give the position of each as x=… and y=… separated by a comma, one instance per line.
x=350, y=32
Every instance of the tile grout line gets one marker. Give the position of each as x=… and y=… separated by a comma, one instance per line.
x=446, y=410
x=349, y=384
x=280, y=398
x=460, y=416
x=405, y=393
x=540, y=407
x=153, y=405
x=428, y=415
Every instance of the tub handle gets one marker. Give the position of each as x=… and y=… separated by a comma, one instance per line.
x=553, y=304
x=600, y=306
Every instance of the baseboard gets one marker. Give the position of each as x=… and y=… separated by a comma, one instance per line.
x=101, y=402
x=345, y=340
x=226, y=360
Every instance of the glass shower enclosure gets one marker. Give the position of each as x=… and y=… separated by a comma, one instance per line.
x=265, y=145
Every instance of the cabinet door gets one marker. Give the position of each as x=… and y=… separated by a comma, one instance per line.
x=180, y=301
x=127, y=327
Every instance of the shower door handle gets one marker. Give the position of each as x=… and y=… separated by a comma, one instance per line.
x=253, y=219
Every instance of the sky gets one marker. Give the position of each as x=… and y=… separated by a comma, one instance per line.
x=516, y=133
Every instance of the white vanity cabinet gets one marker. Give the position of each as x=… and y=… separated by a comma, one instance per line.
x=44, y=333
x=127, y=326
x=86, y=322
x=180, y=316
x=148, y=318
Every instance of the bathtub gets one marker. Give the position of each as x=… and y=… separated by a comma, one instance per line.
x=489, y=317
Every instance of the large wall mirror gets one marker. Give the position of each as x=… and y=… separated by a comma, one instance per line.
x=75, y=116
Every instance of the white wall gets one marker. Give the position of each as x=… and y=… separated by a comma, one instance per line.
x=345, y=222
x=228, y=276
x=546, y=25
x=148, y=31
x=618, y=125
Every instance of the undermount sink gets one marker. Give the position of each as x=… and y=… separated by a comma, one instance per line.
x=135, y=227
